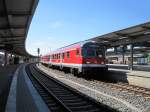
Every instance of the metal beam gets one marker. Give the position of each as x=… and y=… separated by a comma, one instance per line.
x=13, y=27
x=3, y=37
x=131, y=40
x=145, y=27
x=122, y=35
x=16, y=13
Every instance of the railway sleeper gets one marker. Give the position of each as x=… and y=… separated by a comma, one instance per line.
x=76, y=103
x=78, y=108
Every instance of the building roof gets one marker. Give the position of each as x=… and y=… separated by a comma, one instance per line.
x=15, y=19
x=135, y=34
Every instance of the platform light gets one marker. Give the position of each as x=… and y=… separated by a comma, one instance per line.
x=105, y=41
x=123, y=38
x=145, y=33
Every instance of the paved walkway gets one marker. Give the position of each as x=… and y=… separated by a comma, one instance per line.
x=139, y=78
x=6, y=74
x=126, y=67
x=23, y=97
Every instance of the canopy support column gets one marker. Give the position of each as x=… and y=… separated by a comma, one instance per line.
x=131, y=57
x=5, y=58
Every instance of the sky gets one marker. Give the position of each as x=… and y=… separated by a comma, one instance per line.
x=57, y=23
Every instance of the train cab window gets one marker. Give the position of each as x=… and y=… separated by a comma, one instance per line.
x=91, y=52
x=68, y=55
x=99, y=53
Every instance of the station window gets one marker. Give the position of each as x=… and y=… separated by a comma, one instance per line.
x=68, y=55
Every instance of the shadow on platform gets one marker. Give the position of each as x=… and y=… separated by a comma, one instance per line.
x=6, y=74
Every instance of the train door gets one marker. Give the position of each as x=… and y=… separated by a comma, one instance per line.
x=61, y=60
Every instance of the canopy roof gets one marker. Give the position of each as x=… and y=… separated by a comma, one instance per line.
x=135, y=34
x=15, y=19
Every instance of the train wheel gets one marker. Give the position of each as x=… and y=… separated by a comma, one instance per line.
x=61, y=68
x=66, y=70
x=73, y=71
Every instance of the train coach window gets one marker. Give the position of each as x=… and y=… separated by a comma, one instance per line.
x=63, y=55
x=49, y=57
x=59, y=56
x=77, y=52
x=56, y=56
x=68, y=55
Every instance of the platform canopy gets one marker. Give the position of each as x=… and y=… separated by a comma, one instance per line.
x=135, y=34
x=15, y=19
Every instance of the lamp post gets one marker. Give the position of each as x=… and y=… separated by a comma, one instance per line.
x=38, y=51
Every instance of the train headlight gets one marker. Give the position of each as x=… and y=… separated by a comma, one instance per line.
x=87, y=62
x=95, y=62
x=102, y=62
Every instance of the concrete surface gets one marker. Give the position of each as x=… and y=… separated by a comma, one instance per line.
x=6, y=74
x=139, y=78
x=23, y=97
x=126, y=67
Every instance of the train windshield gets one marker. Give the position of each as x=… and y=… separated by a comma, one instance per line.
x=92, y=51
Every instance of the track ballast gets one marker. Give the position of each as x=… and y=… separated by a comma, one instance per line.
x=60, y=97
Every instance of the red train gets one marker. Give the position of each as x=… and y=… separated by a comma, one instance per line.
x=82, y=57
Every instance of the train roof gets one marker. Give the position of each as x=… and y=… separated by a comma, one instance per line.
x=74, y=45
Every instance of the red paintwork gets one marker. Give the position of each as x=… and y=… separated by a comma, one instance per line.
x=74, y=59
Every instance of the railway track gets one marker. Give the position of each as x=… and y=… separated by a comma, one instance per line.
x=137, y=90
x=141, y=91
x=60, y=97
x=132, y=88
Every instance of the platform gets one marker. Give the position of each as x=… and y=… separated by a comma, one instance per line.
x=23, y=97
x=6, y=74
x=134, y=77
x=126, y=67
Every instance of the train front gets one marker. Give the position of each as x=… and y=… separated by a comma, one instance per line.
x=93, y=58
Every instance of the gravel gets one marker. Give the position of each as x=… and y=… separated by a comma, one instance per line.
x=117, y=99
